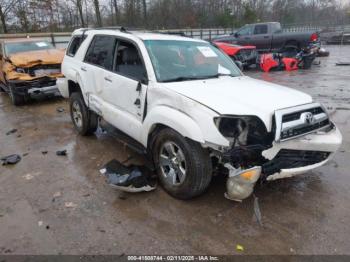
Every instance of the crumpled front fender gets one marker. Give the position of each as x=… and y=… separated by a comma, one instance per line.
x=174, y=119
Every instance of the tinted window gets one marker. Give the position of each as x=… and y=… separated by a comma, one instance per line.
x=260, y=29
x=129, y=62
x=101, y=51
x=75, y=44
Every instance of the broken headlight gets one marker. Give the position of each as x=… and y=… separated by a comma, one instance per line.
x=244, y=130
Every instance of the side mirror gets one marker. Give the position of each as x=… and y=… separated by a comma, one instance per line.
x=236, y=35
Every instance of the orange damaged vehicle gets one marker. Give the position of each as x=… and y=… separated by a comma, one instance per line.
x=29, y=69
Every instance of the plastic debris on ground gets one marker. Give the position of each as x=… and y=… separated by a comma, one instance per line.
x=61, y=152
x=28, y=176
x=257, y=212
x=12, y=131
x=70, y=205
x=239, y=248
x=10, y=160
x=60, y=109
x=343, y=64
x=131, y=178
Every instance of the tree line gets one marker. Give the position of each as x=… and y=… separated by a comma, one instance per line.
x=66, y=15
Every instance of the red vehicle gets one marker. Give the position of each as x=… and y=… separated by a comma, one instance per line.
x=247, y=55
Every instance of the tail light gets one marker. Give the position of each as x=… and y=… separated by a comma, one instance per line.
x=314, y=37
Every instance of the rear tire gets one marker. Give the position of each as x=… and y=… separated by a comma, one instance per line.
x=187, y=171
x=16, y=99
x=85, y=121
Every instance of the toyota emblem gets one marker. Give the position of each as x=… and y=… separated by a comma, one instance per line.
x=308, y=118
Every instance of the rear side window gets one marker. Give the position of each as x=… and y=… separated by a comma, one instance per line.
x=101, y=51
x=260, y=29
x=129, y=62
x=75, y=44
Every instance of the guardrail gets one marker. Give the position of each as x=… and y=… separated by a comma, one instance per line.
x=61, y=40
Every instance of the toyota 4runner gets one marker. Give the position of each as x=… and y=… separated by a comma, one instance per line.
x=189, y=106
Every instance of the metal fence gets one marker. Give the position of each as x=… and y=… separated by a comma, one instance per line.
x=61, y=40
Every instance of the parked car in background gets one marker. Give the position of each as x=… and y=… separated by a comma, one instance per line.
x=269, y=37
x=190, y=108
x=29, y=68
x=246, y=55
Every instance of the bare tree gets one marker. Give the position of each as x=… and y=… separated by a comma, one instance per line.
x=5, y=8
x=98, y=13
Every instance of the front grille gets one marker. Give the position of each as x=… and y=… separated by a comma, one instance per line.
x=304, y=129
x=287, y=159
x=293, y=123
x=296, y=115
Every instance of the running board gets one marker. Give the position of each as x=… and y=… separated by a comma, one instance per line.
x=121, y=136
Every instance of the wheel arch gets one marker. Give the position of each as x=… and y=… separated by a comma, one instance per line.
x=292, y=43
x=166, y=117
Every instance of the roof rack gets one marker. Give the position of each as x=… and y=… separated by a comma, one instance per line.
x=120, y=28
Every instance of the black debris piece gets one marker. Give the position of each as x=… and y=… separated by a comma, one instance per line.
x=10, y=160
x=128, y=178
x=12, y=131
x=44, y=152
x=343, y=64
x=322, y=52
x=25, y=154
x=60, y=109
x=257, y=211
x=61, y=152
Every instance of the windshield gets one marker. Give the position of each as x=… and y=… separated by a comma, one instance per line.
x=13, y=48
x=188, y=60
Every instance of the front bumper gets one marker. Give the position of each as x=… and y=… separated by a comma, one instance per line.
x=45, y=86
x=315, y=150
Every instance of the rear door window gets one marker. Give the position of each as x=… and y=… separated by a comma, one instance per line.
x=260, y=30
x=101, y=51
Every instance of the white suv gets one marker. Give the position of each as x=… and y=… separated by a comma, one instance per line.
x=190, y=107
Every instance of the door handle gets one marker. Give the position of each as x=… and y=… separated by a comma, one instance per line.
x=108, y=79
x=247, y=38
x=83, y=68
x=266, y=36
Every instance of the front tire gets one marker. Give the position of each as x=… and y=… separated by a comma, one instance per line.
x=183, y=166
x=16, y=99
x=85, y=121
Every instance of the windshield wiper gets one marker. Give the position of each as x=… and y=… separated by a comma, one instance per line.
x=217, y=75
x=186, y=78
x=181, y=78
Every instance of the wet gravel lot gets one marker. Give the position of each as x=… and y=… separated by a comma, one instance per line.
x=61, y=205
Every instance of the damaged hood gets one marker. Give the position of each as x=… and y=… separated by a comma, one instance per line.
x=42, y=57
x=241, y=96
